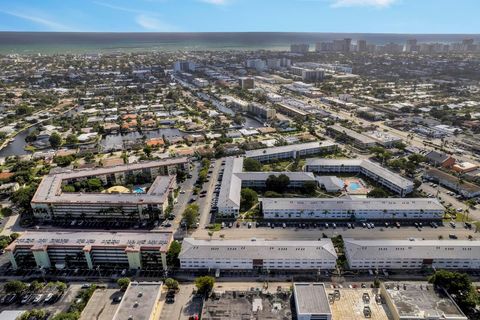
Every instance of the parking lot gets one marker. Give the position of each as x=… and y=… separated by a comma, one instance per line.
x=313, y=231
x=48, y=298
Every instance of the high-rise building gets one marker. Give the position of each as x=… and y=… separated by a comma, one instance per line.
x=246, y=83
x=257, y=64
x=183, y=66
x=274, y=63
x=300, y=48
x=411, y=45
x=285, y=63
x=361, y=45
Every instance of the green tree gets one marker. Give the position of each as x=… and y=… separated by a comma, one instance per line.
x=205, y=284
x=310, y=187
x=123, y=283
x=22, y=197
x=68, y=188
x=71, y=139
x=248, y=198
x=171, y=284
x=377, y=193
x=34, y=314
x=252, y=165
x=172, y=254
x=148, y=150
x=14, y=286
x=55, y=140
x=94, y=184
x=277, y=183
x=458, y=285
x=61, y=286
x=190, y=214
x=67, y=316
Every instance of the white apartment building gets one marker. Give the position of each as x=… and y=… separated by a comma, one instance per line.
x=234, y=179
x=352, y=209
x=89, y=250
x=377, y=173
x=291, y=151
x=50, y=202
x=412, y=254
x=257, y=254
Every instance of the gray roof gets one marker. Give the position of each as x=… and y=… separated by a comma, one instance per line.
x=366, y=165
x=231, y=185
x=353, y=204
x=417, y=249
x=443, y=176
x=437, y=157
x=311, y=298
x=263, y=176
x=49, y=190
x=331, y=182
x=257, y=249
x=289, y=148
x=353, y=134
x=93, y=238
x=136, y=306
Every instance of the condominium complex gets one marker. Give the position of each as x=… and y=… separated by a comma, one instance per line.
x=375, y=172
x=412, y=254
x=257, y=254
x=92, y=250
x=50, y=202
x=292, y=151
x=234, y=179
x=357, y=139
x=352, y=209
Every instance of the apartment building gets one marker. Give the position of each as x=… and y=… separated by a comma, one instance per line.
x=90, y=250
x=412, y=254
x=357, y=139
x=50, y=202
x=388, y=209
x=257, y=254
x=292, y=151
x=375, y=172
x=234, y=179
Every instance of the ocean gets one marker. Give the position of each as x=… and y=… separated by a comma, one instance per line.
x=83, y=42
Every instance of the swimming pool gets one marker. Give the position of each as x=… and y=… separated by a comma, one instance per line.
x=138, y=190
x=354, y=186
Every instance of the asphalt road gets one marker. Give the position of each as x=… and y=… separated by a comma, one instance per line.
x=442, y=194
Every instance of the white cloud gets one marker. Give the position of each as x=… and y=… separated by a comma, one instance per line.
x=50, y=24
x=362, y=3
x=152, y=23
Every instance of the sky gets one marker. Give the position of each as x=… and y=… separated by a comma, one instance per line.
x=350, y=16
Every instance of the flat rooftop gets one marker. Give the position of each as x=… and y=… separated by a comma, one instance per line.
x=311, y=298
x=419, y=300
x=159, y=240
x=352, y=134
x=140, y=301
x=257, y=249
x=289, y=148
x=50, y=189
x=391, y=204
x=365, y=165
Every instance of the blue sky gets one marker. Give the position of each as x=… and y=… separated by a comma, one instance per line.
x=382, y=16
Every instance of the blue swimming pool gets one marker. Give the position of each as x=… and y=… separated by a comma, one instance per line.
x=353, y=186
x=138, y=190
